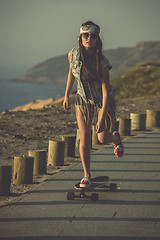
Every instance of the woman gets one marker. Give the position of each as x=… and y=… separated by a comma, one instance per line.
x=91, y=70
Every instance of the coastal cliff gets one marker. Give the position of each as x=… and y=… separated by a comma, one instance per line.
x=55, y=70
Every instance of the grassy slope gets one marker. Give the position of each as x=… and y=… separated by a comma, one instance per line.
x=142, y=80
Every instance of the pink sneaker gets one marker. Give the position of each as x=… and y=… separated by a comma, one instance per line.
x=118, y=149
x=85, y=182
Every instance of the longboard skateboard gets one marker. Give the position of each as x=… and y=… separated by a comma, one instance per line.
x=98, y=183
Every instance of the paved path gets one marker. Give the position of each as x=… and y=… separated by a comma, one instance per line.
x=133, y=212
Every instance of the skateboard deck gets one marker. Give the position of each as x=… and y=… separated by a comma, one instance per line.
x=98, y=183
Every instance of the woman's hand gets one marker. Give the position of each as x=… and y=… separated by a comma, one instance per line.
x=99, y=126
x=66, y=105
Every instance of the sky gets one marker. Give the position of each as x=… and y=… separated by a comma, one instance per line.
x=32, y=31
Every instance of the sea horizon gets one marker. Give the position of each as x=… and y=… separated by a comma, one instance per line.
x=14, y=93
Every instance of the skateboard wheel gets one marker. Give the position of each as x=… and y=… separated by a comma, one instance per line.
x=113, y=186
x=70, y=196
x=94, y=197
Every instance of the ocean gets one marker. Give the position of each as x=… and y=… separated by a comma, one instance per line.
x=13, y=94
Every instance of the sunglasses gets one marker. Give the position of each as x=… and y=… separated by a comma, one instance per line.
x=92, y=35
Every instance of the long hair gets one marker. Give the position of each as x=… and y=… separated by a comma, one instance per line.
x=94, y=71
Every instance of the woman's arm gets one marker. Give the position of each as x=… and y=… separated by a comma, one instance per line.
x=70, y=81
x=105, y=101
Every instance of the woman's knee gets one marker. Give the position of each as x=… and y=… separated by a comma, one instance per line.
x=102, y=139
x=105, y=137
x=85, y=136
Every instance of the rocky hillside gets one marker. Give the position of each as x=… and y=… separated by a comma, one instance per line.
x=55, y=70
x=123, y=59
x=140, y=81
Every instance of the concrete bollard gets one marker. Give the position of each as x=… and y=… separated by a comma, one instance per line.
x=69, y=145
x=23, y=170
x=40, y=161
x=56, y=153
x=5, y=180
x=125, y=126
x=138, y=121
x=152, y=119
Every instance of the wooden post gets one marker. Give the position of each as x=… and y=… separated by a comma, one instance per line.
x=69, y=145
x=56, y=153
x=138, y=121
x=94, y=136
x=125, y=126
x=23, y=170
x=5, y=180
x=77, y=138
x=40, y=161
x=152, y=118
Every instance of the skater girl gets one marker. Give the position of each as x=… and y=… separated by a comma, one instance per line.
x=90, y=69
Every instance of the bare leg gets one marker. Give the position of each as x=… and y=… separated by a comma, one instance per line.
x=85, y=141
x=105, y=136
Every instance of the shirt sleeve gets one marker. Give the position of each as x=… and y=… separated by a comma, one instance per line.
x=105, y=63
